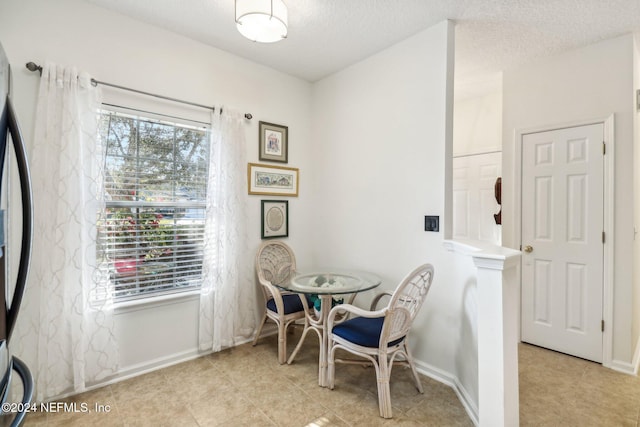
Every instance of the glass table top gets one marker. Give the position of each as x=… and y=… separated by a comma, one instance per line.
x=331, y=282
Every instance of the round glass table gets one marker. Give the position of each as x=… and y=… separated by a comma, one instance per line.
x=332, y=282
x=327, y=285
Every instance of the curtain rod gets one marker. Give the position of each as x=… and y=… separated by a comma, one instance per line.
x=32, y=66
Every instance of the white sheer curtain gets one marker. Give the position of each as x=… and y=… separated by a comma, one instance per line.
x=228, y=299
x=66, y=339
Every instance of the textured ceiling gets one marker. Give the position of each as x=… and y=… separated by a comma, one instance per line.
x=328, y=35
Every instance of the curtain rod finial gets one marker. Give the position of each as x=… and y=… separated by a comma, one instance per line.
x=32, y=66
x=248, y=116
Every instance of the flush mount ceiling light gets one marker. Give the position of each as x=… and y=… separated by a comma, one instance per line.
x=262, y=21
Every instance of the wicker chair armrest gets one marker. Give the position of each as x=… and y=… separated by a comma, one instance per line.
x=338, y=309
x=275, y=293
x=377, y=299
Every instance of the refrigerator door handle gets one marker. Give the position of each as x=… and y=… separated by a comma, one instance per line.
x=27, y=384
x=27, y=217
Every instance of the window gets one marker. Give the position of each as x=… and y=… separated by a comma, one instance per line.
x=150, y=232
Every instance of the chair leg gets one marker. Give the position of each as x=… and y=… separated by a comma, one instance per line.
x=384, y=392
x=413, y=368
x=255, y=339
x=331, y=367
x=282, y=343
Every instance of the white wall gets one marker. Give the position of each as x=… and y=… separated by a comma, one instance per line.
x=588, y=83
x=381, y=130
x=477, y=124
x=117, y=49
x=373, y=152
x=477, y=161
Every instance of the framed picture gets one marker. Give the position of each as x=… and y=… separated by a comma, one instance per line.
x=274, y=142
x=275, y=218
x=272, y=180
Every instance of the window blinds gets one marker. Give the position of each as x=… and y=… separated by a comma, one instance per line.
x=151, y=230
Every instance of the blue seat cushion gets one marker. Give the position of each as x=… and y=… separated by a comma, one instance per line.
x=291, y=302
x=363, y=331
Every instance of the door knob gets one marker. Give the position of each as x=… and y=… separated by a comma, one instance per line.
x=528, y=249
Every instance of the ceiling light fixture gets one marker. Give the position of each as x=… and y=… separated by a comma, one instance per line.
x=262, y=21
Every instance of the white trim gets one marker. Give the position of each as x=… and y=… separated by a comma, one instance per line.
x=626, y=367
x=137, y=370
x=609, y=244
x=149, y=366
x=152, y=116
x=161, y=363
x=636, y=358
x=608, y=221
x=154, y=365
x=623, y=367
x=156, y=300
x=485, y=254
x=453, y=382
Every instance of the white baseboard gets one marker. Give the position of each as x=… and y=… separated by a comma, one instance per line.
x=146, y=367
x=164, y=362
x=446, y=378
x=137, y=370
x=636, y=358
x=630, y=368
x=153, y=365
x=624, y=367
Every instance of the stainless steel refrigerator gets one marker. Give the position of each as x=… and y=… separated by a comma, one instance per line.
x=15, y=250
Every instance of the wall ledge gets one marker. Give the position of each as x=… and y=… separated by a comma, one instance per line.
x=485, y=254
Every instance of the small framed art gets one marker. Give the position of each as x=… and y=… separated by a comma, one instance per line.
x=272, y=180
x=275, y=218
x=274, y=142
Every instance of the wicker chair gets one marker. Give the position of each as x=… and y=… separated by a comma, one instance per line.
x=381, y=335
x=275, y=262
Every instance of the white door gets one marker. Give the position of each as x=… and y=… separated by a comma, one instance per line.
x=562, y=240
x=474, y=202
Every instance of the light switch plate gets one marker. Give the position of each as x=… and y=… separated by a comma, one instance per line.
x=431, y=223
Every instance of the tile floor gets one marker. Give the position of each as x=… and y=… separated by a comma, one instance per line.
x=245, y=386
x=560, y=390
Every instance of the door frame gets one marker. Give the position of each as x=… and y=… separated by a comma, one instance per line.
x=608, y=210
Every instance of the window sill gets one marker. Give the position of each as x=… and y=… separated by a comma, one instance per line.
x=151, y=302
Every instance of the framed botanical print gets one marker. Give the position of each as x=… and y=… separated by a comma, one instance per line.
x=274, y=142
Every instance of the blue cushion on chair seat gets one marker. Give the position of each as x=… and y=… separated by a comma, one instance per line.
x=291, y=303
x=363, y=331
